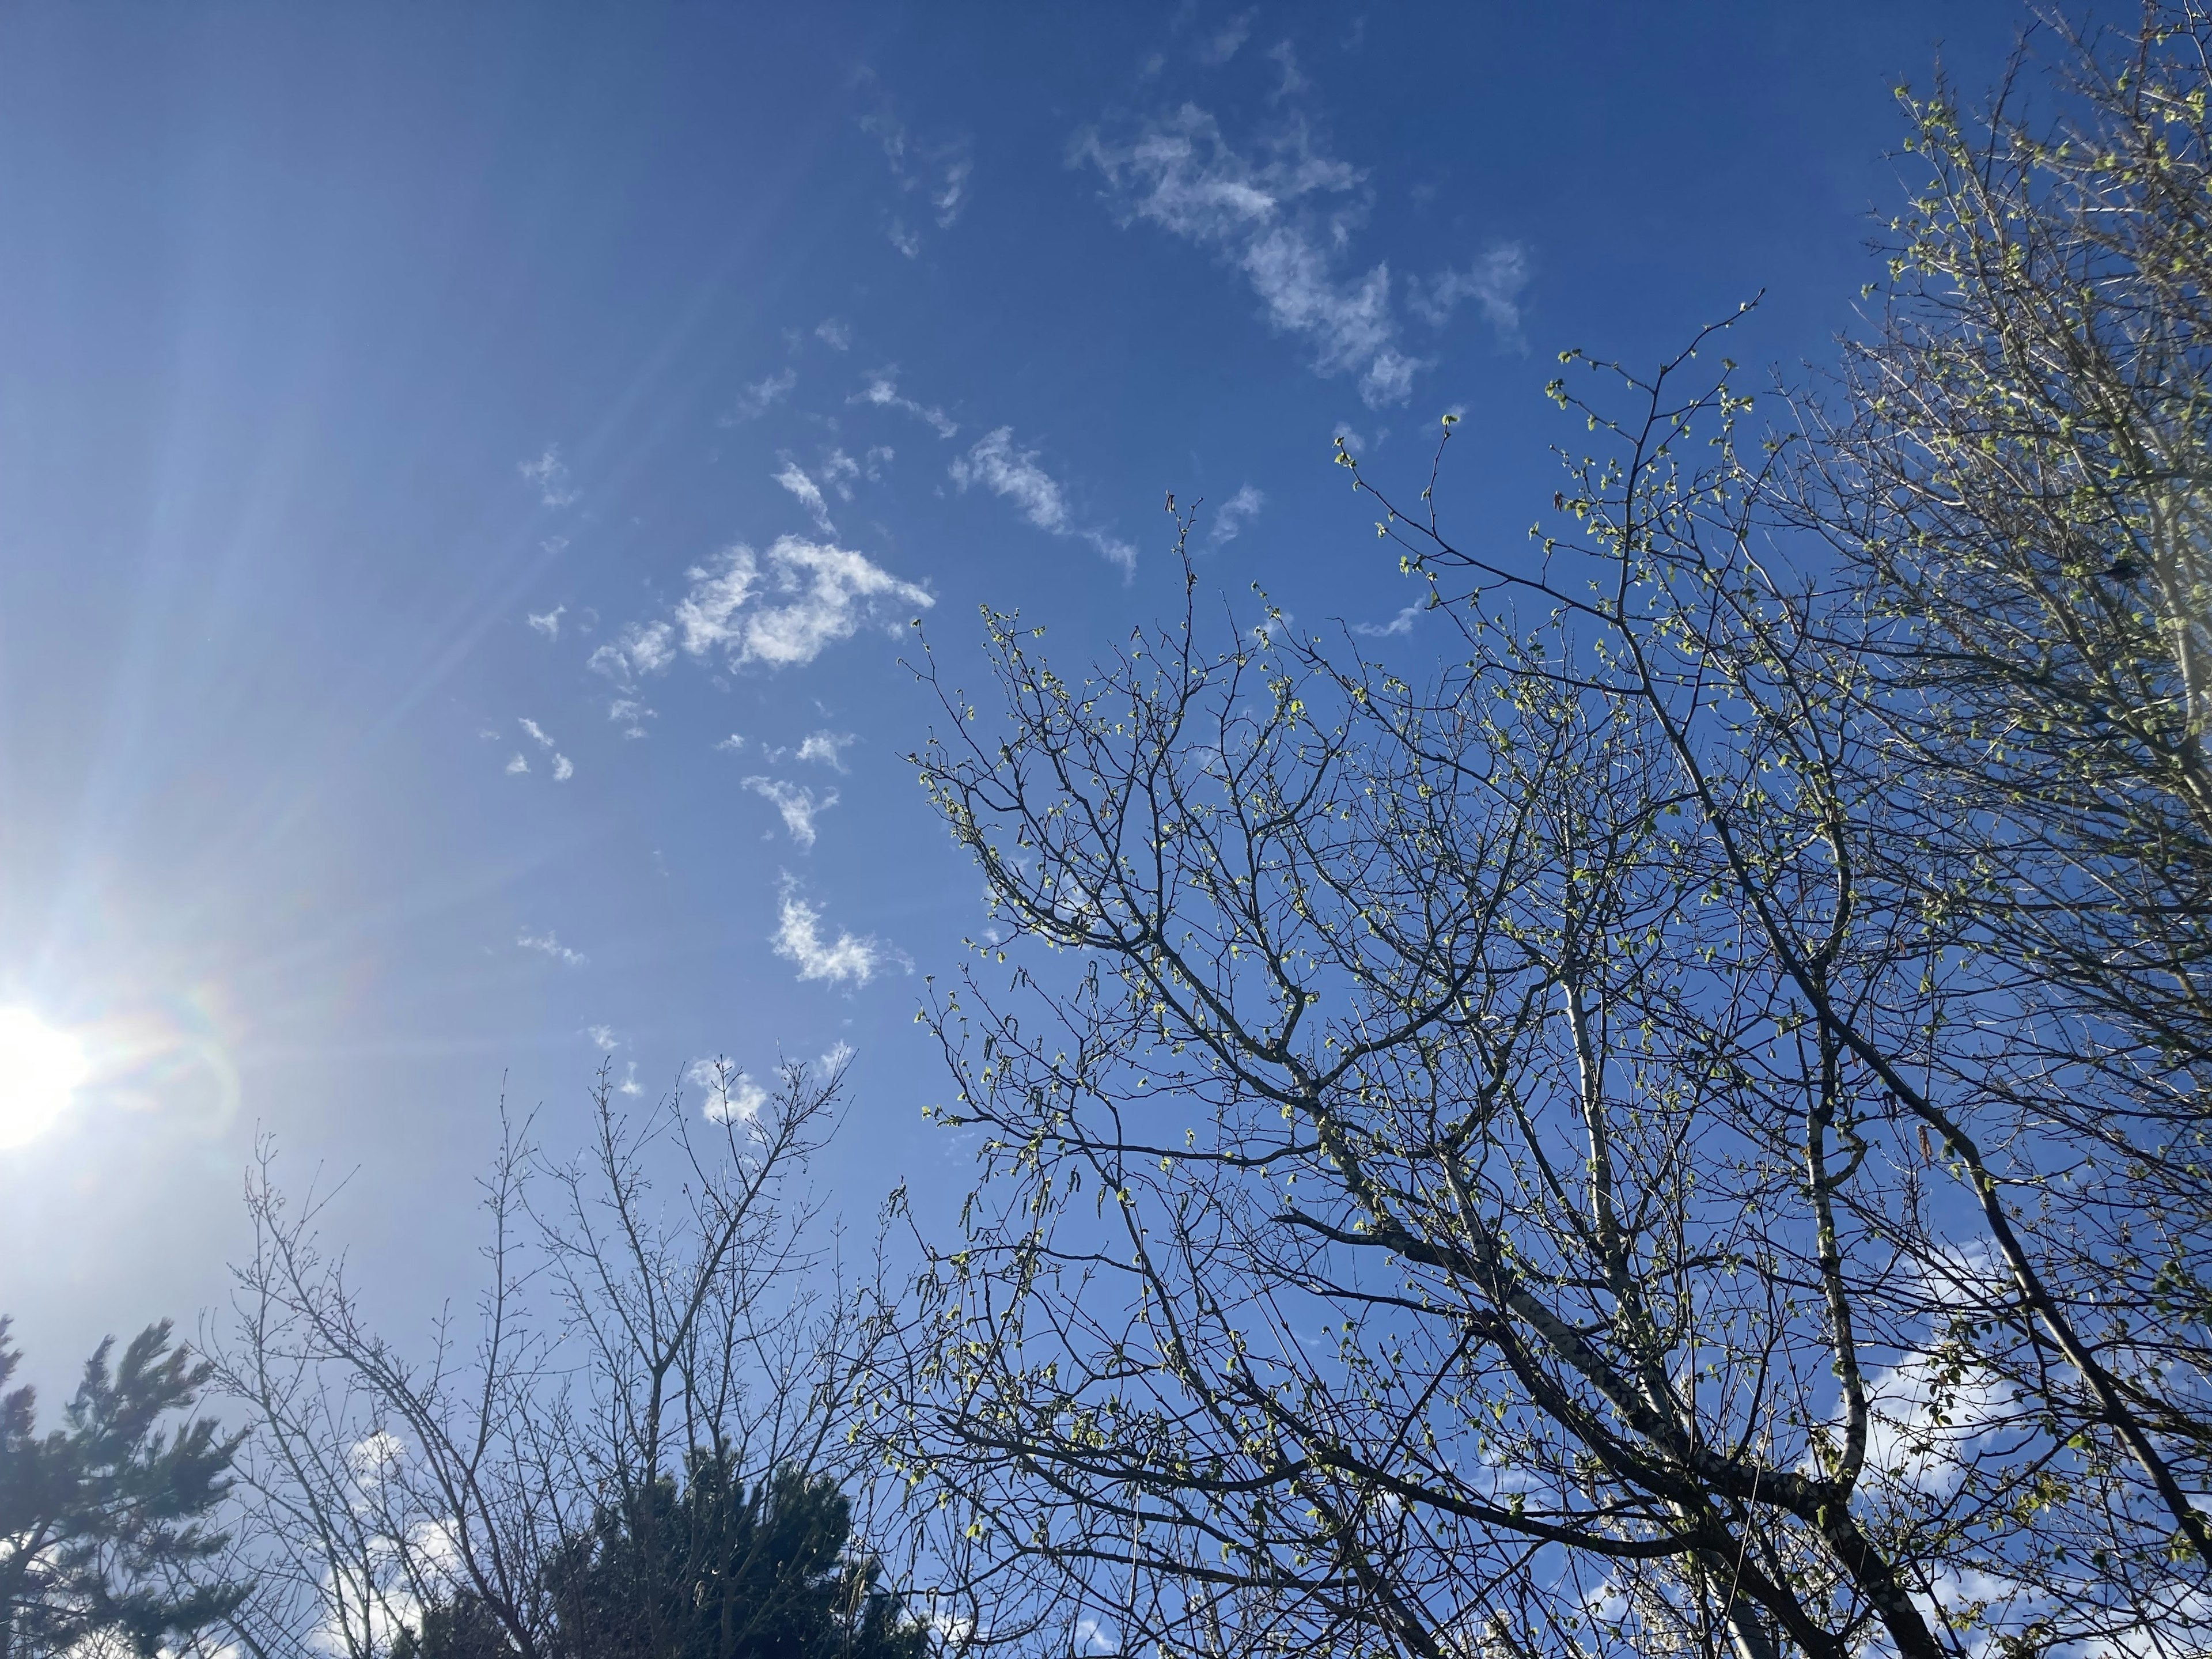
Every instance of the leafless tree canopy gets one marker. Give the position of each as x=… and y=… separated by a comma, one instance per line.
x=1680, y=1130
x=662, y=1299
x=1684, y=1130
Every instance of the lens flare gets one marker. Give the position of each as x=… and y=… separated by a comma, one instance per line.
x=40, y=1070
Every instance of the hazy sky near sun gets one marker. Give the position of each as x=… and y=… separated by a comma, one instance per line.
x=467, y=475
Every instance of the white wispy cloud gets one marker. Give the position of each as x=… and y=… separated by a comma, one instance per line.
x=997, y=463
x=640, y=648
x=630, y=714
x=794, y=479
x=799, y=939
x=547, y=622
x=603, y=1036
x=648, y=648
x=1400, y=624
x=763, y=395
x=732, y=743
x=546, y=945
x=950, y=193
x=1292, y=83
x=827, y=747
x=796, y=803
x=564, y=768
x=629, y=1085
x=1233, y=515
x=808, y=596
x=997, y=466
x=834, y=332
x=518, y=765
x=1227, y=41
x=882, y=389
x=1494, y=281
x=936, y=173
x=549, y=473
x=1113, y=550
x=779, y=610
x=1280, y=219
x=731, y=1096
x=840, y=471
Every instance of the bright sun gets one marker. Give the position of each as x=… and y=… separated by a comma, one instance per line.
x=40, y=1070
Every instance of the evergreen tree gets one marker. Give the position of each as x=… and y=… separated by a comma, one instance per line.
x=719, y=1571
x=102, y=1533
x=457, y=1627
x=712, y=1570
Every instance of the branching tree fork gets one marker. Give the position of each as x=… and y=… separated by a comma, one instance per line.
x=637, y=1452
x=1684, y=1130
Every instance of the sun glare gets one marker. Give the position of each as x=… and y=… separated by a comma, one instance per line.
x=40, y=1070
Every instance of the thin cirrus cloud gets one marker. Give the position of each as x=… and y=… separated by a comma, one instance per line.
x=834, y=332
x=931, y=176
x=564, y=768
x=549, y=474
x=795, y=803
x=779, y=610
x=809, y=493
x=1279, y=219
x=1400, y=624
x=1233, y=515
x=763, y=395
x=836, y=470
x=882, y=389
x=1227, y=41
x=827, y=747
x=799, y=939
x=547, y=622
x=840, y=471
x=1279, y=214
x=1494, y=282
x=997, y=463
x=547, y=946
x=997, y=466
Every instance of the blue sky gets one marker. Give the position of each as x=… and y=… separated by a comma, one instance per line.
x=467, y=476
